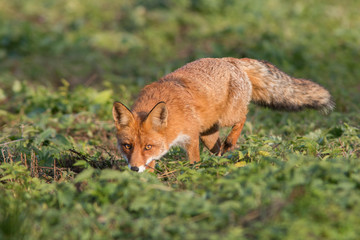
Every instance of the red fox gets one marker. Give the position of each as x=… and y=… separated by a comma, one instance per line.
x=194, y=101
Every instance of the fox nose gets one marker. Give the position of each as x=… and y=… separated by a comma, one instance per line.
x=136, y=169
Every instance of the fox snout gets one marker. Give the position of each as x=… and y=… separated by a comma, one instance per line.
x=137, y=169
x=141, y=167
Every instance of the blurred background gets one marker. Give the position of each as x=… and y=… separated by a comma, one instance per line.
x=123, y=45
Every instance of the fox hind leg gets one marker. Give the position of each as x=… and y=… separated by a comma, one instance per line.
x=233, y=136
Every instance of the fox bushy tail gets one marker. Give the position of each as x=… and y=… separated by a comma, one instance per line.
x=275, y=89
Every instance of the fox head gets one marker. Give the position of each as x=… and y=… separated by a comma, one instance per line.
x=141, y=137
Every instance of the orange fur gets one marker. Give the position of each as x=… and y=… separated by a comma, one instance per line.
x=198, y=99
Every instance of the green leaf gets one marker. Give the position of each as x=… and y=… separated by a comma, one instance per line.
x=103, y=96
x=61, y=141
x=16, y=86
x=82, y=163
x=240, y=155
x=7, y=177
x=240, y=164
x=65, y=195
x=45, y=135
x=109, y=174
x=2, y=94
x=84, y=175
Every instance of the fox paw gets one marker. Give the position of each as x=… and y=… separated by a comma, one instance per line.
x=227, y=146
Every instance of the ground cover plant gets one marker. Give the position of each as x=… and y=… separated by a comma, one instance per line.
x=63, y=63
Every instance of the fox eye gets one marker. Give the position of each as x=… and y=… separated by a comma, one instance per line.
x=127, y=146
x=148, y=147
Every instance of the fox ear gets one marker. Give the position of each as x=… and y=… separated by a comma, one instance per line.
x=157, y=118
x=121, y=114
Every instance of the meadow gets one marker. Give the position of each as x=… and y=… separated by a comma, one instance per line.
x=64, y=63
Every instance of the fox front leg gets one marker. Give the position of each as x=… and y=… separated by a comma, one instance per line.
x=192, y=149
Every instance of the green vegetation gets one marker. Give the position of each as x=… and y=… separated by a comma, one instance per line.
x=63, y=63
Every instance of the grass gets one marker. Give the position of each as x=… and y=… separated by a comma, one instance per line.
x=292, y=176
